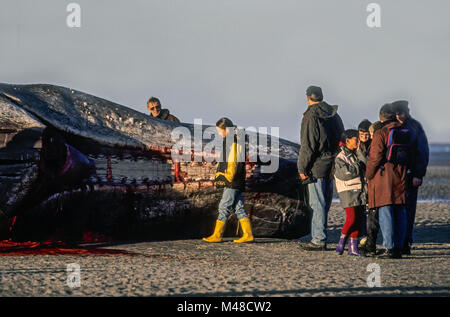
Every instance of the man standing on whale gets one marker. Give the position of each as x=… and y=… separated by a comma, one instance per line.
x=321, y=129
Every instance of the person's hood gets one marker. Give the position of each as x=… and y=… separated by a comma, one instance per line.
x=391, y=124
x=323, y=110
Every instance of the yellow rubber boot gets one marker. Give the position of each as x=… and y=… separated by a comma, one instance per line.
x=247, y=231
x=218, y=232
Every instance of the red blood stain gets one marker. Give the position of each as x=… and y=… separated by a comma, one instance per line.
x=109, y=172
x=55, y=247
x=12, y=221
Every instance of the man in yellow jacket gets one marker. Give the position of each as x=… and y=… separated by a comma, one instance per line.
x=230, y=176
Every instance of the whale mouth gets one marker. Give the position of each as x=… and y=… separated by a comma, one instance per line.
x=19, y=146
x=19, y=157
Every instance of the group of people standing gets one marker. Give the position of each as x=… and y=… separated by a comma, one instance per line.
x=377, y=169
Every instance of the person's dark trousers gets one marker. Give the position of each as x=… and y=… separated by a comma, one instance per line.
x=363, y=229
x=411, y=205
x=373, y=227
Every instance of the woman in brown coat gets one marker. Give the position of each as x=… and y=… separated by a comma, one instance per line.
x=386, y=189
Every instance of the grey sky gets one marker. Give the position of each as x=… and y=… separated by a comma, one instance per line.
x=250, y=60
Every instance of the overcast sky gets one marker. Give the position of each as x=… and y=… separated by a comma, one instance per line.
x=249, y=60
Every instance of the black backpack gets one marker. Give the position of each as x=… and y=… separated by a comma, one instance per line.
x=399, y=146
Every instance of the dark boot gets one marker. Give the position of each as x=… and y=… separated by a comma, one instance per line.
x=341, y=245
x=369, y=250
x=370, y=247
x=309, y=246
x=406, y=249
x=353, y=248
x=397, y=253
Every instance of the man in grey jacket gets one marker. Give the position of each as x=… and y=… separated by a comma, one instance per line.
x=321, y=129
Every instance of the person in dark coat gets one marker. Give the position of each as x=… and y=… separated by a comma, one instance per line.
x=387, y=188
x=154, y=107
x=320, y=133
x=418, y=167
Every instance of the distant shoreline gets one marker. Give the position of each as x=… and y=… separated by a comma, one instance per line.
x=439, y=147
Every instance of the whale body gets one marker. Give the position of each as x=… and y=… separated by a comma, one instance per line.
x=71, y=162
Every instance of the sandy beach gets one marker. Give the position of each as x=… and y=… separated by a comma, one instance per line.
x=269, y=267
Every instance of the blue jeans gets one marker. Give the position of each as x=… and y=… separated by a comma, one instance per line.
x=231, y=200
x=319, y=196
x=393, y=225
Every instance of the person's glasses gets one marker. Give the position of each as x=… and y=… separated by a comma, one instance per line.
x=153, y=108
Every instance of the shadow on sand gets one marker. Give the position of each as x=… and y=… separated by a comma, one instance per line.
x=376, y=291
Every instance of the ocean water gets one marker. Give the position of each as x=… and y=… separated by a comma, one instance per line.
x=436, y=184
x=440, y=154
x=439, y=148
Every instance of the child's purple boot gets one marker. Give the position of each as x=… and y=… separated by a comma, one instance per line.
x=341, y=245
x=353, y=248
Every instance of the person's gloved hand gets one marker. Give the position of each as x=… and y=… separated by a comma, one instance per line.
x=416, y=181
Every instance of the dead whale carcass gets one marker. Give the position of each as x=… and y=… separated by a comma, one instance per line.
x=71, y=162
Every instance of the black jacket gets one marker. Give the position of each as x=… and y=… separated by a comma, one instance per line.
x=320, y=133
x=421, y=152
x=164, y=114
x=230, y=171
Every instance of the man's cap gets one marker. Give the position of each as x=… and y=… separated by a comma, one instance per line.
x=315, y=92
x=400, y=106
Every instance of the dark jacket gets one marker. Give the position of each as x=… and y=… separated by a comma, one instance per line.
x=320, y=133
x=164, y=114
x=386, y=181
x=421, y=152
x=350, y=179
x=230, y=171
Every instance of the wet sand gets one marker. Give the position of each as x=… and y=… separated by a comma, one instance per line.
x=269, y=267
